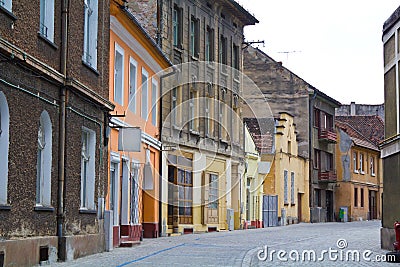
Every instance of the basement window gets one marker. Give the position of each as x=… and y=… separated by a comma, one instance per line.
x=1, y=258
x=43, y=254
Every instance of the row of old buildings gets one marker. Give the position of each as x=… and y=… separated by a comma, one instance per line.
x=124, y=120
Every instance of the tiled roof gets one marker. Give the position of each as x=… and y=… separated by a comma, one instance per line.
x=262, y=131
x=370, y=127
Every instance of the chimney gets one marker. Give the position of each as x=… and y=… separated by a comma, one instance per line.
x=352, y=108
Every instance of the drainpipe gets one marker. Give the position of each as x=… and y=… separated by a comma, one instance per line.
x=160, y=179
x=61, y=144
x=310, y=145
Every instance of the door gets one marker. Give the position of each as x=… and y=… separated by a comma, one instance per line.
x=372, y=205
x=329, y=206
x=270, y=211
x=299, y=219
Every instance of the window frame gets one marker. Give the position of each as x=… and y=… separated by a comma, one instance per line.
x=46, y=26
x=88, y=178
x=4, y=148
x=120, y=79
x=154, y=98
x=144, y=103
x=361, y=167
x=194, y=34
x=177, y=27
x=90, y=32
x=292, y=189
x=285, y=188
x=223, y=53
x=372, y=165
x=44, y=162
x=133, y=77
x=355, y=162
x=355, y=197
x=209, y=45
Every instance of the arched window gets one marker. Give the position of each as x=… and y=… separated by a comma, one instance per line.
x=4, y=141
x=44, y=158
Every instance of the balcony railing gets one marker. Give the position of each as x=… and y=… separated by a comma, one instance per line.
x=327, y=135
x=327, y=176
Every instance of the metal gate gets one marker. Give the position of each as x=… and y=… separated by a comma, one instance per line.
x=270, y=211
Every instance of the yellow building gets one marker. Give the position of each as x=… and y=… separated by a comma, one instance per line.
x=251, y=187
x=289, y=175
x=359, y=170
x=133, y=187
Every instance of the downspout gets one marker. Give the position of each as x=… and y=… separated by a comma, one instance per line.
x=160, y=177
x=61, y=144
x=310, y=144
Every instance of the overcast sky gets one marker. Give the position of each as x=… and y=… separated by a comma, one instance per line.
x=333, y=45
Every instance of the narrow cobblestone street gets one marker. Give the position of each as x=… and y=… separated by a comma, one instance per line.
x=240, y=248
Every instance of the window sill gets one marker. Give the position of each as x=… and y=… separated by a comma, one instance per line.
x=356, y=172
x=193, y=58
x=224, y=72
x=86, y=211
x=90, y=67
x=210, y=65
x=362, y=172
x=5, y=207
x=49, y=42
x=177, y=49
x=236, y=79
x=8, y=13
x=373, y=174
x=43, y=208
x=286, y=204
x=194, y=132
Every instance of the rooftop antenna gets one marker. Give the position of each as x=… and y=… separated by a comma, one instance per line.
x=248, y=43
x=288, y=52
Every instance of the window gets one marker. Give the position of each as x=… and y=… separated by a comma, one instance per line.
x=317, y=118
x=47, y=19
x=192, y=110
x=154, y=97
x=4, y=144
x=132, y=84
x=355, y=165
x=194, y=37
x=88, y=169
x=177, y=26
x=235, y=61
x=7, y=4
x=318, y=201
x=174, y=105
x=185, y=195
x=289, y=147
x=209, y=46
x=362, y=197
x=361, y=167
x=223, y=53
x=285, y=187
x=221, y=121
x=355, y=197
x=317, y=158
x=213, y=193
x=327, y=121
x=145, y=85
x=326, y=161
x=43, y=166
x=135, y=193
x=372, y=166
x=119, y=75
x=292, y=189
x=90, y=33
x=207, y=118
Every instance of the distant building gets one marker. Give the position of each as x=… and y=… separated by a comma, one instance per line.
x=390, y=147
x=361, y=109
x=359, y=167
x=313, y=113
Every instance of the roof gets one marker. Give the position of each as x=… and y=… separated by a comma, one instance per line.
x=262, y=131
x=391, y=20
x=370, y=128
x=132, y=17
x=245, y=16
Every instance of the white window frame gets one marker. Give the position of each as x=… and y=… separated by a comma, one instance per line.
x=361, y=167
x=44, y=160
x=145, y=94
x=119, y=75
x=355, y=162
x=372, y=165
x=285, y=187
x=7, y=4
x=207, y=115
x=192, y=110
x=90, y=33
x=174, y=105
x=154, y=101
x=132, y=84
x=88, y=173
x=4, y=146
x=46, y=27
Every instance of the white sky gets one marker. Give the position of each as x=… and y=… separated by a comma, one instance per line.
x=338, y=43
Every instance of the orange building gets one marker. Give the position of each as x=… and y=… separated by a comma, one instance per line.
x=133, y=184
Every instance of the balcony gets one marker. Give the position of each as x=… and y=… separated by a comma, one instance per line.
x=327, y=135
x=327, y=176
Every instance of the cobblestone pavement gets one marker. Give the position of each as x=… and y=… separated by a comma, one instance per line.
x=342, y=241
